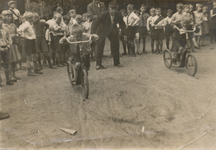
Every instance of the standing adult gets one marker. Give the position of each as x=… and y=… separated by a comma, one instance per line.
x=94, y=9
x=106, y=26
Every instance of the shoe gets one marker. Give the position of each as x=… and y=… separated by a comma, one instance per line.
x=138, y=53
x=144, y=52
x=60, y=65
x=13, y=79
x=9, y=83
x=194, y=51
x=4, y=115
x=119, y=65
x=18, y=78
x=157, y=52
x=73, y=80
x=124, y=54
x=23, y=68
x=52, y=67
x=91, y=60
x=196, y=47
x=38, y=71
x=101, y=67
x=161, y=52
x=64, y=64
x=31, y=74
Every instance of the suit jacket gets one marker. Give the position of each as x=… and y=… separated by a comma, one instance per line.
x=102, y=25
x=95, y=11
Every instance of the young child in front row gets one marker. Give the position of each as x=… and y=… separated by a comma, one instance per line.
x=26, y=30
x=41, y=44
x=168, y=27
x=131, y=24
x=58, y=28
x=143, y=26
x=5, y=43
x=78, y=35
x=158, y=25
x=150, y=28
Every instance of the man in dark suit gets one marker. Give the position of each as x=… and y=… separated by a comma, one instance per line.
x=106, y=26
x=95, y=8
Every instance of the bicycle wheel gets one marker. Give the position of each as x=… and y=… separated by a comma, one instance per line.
x=167, y=57
x=191, y=65
x=70, y=72
x=85, y=84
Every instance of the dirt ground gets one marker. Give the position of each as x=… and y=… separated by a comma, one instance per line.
x=177, y=111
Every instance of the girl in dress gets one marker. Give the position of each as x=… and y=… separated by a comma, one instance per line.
x=14, y=53
x=198, y=21
x=205, y=25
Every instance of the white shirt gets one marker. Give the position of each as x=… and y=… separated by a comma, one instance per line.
x=16, y=11
x=27, y=31
x=132, y=19
x=167, y=20
x=161, y=23
x=149, y=20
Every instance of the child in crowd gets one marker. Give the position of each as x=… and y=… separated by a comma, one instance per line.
x=168, y=27
x=15, y=12
x=27, y=31
x=132, y=20
x=14, y=53
x=143, y=26
x=87, y=29
x=72, y=14
x=41, y=44
x=198, y=21
x=205, y=24
x=124, y=43
x=158, y=25
x=78, y=35
x=5, y=44
x=136, y=40
x=78, y=19
x=66, y=20
x=191, y=12
x=58, y=28
x=213, y=23
x=150, y=28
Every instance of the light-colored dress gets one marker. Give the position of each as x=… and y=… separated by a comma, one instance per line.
x=13, y=52
x=198, y=20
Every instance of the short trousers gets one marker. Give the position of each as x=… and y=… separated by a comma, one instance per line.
x=131, y=31
x=30, y=47
x=76, y=58
x=142, y=32
x=57, y=47
x=158, y=34
x=41, y=45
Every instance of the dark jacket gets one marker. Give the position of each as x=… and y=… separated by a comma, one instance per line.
x=95, y=11
x=102, y=25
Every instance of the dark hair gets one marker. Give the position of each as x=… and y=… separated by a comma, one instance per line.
x=12, y=19
x=142, y=5
x=1, y=17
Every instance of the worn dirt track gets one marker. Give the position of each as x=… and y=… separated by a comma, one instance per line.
x=174, y=107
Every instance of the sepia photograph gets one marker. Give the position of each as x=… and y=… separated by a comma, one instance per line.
x=108, y=74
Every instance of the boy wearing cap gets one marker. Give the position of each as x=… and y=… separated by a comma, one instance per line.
x=106, y=26
x=177, y=17
x=26, y=30
x=79, y=35
x=16, y=13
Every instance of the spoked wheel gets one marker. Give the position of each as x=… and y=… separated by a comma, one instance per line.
x=191, y=65
x=70, y=72
x=85, y=84
x=167, y=57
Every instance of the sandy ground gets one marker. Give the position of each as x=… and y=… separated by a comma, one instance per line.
x=174, y=108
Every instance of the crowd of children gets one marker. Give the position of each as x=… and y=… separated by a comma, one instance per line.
x=39, y=38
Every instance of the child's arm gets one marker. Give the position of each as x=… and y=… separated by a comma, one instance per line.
x=136, y=19
x=211, y=14
x=21, y=29
x=148, y=22
x=94, y=37
x=62, y=40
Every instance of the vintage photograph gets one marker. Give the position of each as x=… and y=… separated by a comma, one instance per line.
x=108, y=74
